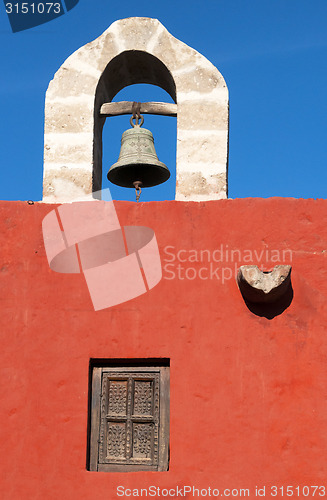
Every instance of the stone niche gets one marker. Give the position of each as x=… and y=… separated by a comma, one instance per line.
x=131, y=51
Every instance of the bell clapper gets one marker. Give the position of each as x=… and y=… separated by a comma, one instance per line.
x=138, y=190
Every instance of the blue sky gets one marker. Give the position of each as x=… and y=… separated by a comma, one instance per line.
x=272, y=54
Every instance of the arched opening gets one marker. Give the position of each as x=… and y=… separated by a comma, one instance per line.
x=135, y=76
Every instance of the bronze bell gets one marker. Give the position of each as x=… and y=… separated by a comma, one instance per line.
x=138, y=164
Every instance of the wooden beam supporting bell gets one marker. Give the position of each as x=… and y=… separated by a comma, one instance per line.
x=126, y=108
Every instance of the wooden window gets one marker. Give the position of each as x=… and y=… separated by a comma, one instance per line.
x=129, y=418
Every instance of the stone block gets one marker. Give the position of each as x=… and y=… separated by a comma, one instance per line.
x=75, y=115
x=135, y=33
x=69, y=149
x=193, y=147
x=196, y=183
x=101, y=50
x=203, y=115
x=200, y=79
x=62, y=185
x=174, y=54
x=71, y=82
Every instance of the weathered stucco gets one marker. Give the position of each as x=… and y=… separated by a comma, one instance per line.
x=136, y=50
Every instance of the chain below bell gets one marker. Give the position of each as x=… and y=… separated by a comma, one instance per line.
x=138, y=161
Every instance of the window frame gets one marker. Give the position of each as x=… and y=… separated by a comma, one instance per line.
x=97, y=373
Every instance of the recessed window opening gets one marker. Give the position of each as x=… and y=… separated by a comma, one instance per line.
x=164, y=130
x=128, y=425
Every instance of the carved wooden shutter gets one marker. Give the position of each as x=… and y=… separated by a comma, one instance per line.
x=130, y=419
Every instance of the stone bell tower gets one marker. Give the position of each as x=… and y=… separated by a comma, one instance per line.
x=131, y=51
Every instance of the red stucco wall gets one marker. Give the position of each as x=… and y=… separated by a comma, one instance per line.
x=248, y=394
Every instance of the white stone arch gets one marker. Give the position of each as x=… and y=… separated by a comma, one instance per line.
x=96, y=72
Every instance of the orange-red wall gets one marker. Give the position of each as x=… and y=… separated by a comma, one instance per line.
x=248, y=394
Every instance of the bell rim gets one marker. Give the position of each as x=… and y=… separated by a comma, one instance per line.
x=165, y=174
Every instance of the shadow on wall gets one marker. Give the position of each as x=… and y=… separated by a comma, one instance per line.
x=270, y=310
